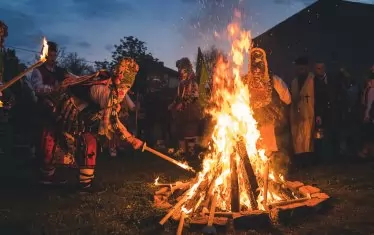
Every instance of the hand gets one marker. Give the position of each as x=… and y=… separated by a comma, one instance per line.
x=136, y=143
x=319, y=120
x=179, y=107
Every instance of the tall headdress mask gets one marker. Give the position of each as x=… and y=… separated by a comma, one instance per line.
x=126, y=71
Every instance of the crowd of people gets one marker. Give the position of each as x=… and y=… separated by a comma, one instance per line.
x=319, y=116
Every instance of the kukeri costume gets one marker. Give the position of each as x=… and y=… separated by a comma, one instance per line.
x=86, y=109
x=186, y=107
x=268, y=93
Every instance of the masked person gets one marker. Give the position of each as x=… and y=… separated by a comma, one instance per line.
x=87, y=109
x=186, y=108
x=268, y=95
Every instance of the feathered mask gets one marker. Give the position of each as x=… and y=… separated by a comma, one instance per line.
x=126, y=71
x=185, y=63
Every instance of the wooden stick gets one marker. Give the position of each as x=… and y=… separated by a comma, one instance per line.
x=177, y=206
x=181, y=224
x=212, y=210
x=235, y=195
x=167, y=158
x=21, y=75
x=266, y=184
x=284, y=203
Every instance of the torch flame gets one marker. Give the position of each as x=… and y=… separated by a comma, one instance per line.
x=44, y=54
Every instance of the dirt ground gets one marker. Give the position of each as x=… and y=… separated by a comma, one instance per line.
x=126, y=206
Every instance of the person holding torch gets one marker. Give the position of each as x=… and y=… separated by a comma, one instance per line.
x=86, y=109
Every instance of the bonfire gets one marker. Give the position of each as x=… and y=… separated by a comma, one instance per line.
x=236, y=181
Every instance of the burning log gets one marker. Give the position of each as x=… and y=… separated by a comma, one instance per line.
x=209, y=229
x=266, y=184
x=181, y=224
x=248, y=169
x=235, y=195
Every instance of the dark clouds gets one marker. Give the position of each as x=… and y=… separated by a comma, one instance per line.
x=113, y=9
x=85, y=45
x=22, y=28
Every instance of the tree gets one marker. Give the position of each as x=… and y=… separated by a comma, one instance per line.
x=102, y=65
x=75, y=64
x=134, y=48
x=131, y=47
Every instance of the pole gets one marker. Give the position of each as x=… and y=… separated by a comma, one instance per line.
x=167, y=158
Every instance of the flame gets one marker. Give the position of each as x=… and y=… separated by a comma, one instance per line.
x=235, y=126
x=44, y=54
x=156, y=181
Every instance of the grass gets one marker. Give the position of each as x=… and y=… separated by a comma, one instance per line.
x=126, y=206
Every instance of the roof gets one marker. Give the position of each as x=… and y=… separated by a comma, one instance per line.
x=337, y=32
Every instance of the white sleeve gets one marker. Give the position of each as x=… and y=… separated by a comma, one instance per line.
x=36, y=81
x=129, y=102
x=282, y=89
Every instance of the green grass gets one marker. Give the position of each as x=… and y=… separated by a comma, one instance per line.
x=126, y=206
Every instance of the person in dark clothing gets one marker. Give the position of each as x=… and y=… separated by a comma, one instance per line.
x=326, y=113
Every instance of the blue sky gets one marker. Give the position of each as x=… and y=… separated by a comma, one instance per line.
x=171, y=28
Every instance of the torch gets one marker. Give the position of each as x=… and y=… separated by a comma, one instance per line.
x=167, y=158
x=21, y=75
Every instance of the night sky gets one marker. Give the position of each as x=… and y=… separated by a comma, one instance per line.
x=171, y=28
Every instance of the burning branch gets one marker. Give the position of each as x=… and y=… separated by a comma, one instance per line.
x=167, y=158
x=43, y=58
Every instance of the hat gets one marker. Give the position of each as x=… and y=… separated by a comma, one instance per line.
x=128, y=68
x=52, y=46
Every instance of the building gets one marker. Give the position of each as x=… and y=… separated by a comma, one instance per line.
x=339, y=33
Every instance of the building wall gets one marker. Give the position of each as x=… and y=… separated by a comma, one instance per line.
x=337, y=33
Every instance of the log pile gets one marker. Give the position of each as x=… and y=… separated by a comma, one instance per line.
x=200, y=211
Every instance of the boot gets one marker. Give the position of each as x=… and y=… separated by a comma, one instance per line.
x=90, y=188
x=86, y=185
x=48, y=177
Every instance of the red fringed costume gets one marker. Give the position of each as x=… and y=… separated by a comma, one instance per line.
x=86, y=109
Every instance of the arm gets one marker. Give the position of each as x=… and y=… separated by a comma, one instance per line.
x=100, y=94
x=36, y=82
x=282, y=90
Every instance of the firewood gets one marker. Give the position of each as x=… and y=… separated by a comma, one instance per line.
x=181, y=224
x=246, y=187
x=235, y=194
x=163, y=190
x=176, y=207
x=248, y=168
